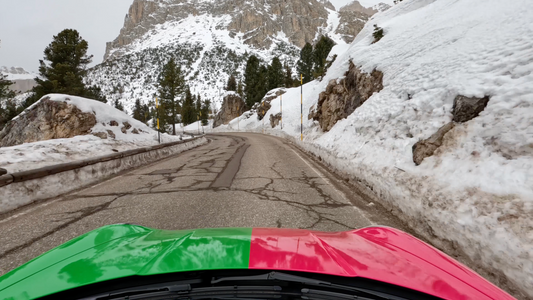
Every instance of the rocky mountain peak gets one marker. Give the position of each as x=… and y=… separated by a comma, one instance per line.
x=257, y=21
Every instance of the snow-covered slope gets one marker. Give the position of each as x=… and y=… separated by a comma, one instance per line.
x=477, y=190
x=39, y=154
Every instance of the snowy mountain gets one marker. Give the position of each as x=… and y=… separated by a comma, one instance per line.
x=22, y=79
x=212, y=39
x=475, y=189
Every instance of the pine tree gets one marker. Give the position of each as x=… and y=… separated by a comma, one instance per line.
x=252, y=89
x=8, y=108
x=275, y=74
x=320, y=55
x=188, y=115
x=171, y=83
x=141, y=112
x=118, y=105
x=232, y=83
x=262, y=86
x=205, y=112
x=5, y=92
x=305, y=64
x=66, y=62
x=288, y=81
x=240, y=89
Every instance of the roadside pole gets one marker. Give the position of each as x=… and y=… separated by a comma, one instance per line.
x=301, y=107
x=157, y=116
x=281, y=109
x=198, y=120
x=264, y=115
x=238, y=119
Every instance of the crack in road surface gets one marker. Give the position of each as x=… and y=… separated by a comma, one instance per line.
x=238, y=180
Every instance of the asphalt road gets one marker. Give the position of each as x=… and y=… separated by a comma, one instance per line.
x=237, y=180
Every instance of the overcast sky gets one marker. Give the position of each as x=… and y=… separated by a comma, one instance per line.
x=28, y=26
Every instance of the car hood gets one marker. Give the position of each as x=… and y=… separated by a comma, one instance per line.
x=118, y=251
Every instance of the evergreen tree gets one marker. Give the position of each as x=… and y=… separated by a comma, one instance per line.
x=240, y=89
x=188, y=115
x=288, y=81
x=205, y=112
x=275, y=74
x=141, y=111
x=262, y=87
x=171, y=83
x=5, y=92
x=8, y=108
x=305, y=64
x=320, y=55
x=252, y=81
x=232, y=83
x=94, y=92
x=118, y=105
x=66, y=61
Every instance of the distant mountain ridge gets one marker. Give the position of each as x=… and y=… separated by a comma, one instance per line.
x=212, y=39
x=23, y=80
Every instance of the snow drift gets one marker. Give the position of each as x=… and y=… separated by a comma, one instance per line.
x=476, y=191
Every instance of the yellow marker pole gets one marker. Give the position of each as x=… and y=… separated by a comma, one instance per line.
x=238, y=119
x=198, y=120
x=301, y=107
x=157, y=116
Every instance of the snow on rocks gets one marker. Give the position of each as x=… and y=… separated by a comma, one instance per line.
x=51, y=138
x=476, y=191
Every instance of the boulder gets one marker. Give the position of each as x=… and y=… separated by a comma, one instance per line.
x=342, y=97
x=275, y=119
x=232, y=107
x=47, y=120
x=467, y=108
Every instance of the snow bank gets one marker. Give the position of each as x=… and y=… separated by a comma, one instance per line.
x=18, y=194
x=477, y=190
x=44, y=153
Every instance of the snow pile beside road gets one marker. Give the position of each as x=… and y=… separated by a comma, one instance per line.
x=44, y=153
x=477, y=190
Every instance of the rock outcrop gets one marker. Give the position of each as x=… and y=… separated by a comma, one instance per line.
x=262, y=107
x=353, y=18
x=232, y=107
x=47, y=120
x=427, y=147
x=464, y=110
x=342, y=98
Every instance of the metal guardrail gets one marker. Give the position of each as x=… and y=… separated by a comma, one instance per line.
x=54, y=169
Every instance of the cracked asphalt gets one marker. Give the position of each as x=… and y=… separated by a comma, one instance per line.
x=237, y=180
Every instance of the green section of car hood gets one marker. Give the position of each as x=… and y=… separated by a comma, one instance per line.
x=118, y=251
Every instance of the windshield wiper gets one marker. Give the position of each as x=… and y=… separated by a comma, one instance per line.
x=307, y=281
x=224, y=292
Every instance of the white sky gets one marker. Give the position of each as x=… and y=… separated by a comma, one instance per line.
x=28, y=26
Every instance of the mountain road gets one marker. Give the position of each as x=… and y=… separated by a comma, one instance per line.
x=236, y=180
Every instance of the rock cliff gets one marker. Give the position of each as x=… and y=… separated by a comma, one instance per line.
x=257, y=21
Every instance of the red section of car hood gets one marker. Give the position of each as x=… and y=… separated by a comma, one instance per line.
x=379, y=253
